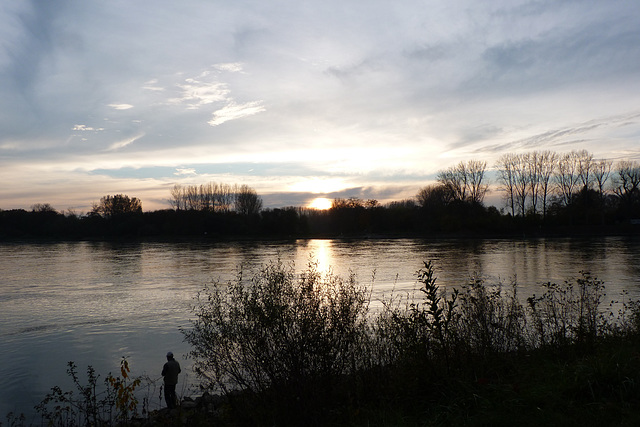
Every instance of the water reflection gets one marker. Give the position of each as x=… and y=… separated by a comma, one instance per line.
x=318, y=251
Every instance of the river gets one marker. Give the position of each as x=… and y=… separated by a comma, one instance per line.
x=95, y=302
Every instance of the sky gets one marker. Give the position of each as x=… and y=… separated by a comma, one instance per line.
x=302, y=99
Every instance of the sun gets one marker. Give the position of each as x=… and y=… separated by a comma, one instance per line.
x=320, y=203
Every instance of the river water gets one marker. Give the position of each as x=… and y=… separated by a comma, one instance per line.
x=95, y=302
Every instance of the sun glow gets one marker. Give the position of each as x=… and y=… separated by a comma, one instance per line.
x=320, y=203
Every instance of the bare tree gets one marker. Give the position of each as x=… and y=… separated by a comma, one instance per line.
x=225, y=196
x=207, y=199
x=465, y=181
x=506, y=165
x=567, y=176
x=525, y=179
x=42, y=207
x=247, y=201
x=627, y=181
x=547, y=166
x=531, y=165
x=477, y=188
x=214, y=197
x=177, y=201
x=192, y=198
x=522, y=182
x=454, y=179
x=119, y=204
x=601, y=173
x=434, y=195
x=585, y=168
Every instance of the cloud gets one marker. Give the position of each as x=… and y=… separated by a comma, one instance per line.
x=196, y=94
x=85, y=128
x=233, y=111
x=120, y=106
x=185, y=171
x=123, y=143
x=571, y=136
x=234, y=67
x=151, y=86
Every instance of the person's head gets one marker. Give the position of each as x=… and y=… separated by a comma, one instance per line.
x=169, y=355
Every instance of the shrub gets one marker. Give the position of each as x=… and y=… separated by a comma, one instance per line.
x=281, y=337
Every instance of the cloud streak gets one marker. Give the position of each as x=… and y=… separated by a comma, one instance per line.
x=233, y=111
x=123, y=143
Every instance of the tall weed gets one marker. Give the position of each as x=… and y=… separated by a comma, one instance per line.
x=568, y=314
x=91, y=403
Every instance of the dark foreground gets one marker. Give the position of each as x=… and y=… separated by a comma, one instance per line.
x=568, y=387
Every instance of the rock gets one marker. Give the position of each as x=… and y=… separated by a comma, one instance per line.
x=188, y=404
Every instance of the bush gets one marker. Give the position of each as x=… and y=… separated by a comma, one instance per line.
x=288, y=341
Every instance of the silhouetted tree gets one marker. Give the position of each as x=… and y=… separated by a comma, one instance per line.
x=42, y=207
x=627, y=186
x=547, y=163
x=465, y=181
x=568, y=176
x=215, y=197
x=601, y=173
x=247, y=201
x=111, y=206
x=436, y=196
x=586, y=167
x=506, y=166
x=455, y=180
x=477, y=187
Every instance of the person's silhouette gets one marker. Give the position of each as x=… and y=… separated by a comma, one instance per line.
x=170, y=372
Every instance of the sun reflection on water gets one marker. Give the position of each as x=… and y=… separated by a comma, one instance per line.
x=320, y=252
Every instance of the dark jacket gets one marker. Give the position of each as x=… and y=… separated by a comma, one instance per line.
x=170, y=372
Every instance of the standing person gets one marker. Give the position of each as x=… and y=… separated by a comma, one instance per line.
x=170, y=372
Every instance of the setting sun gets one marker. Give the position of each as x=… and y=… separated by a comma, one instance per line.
x=320, y=203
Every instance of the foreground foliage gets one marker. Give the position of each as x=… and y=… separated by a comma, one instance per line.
x=91, y=403
x=282, y=338
x=307, y=349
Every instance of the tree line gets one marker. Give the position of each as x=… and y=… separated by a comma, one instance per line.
x=542, y=192
x=571, y=187
x=215, y=197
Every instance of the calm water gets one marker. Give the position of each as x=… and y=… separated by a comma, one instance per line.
x=93, y=303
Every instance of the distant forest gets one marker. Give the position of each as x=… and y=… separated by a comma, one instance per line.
x=543, y=193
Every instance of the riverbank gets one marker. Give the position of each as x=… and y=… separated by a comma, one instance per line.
x=569, y=386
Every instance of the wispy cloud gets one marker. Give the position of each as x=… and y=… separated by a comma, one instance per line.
x=120, y=106
x=234, y=67
x=196, y=94
x=570, y=135
x=233, y=111
x=85, y=128
x=185, y=171
x=123, y=143
x=152, y=86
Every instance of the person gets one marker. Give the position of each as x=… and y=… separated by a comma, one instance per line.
x=170, y=372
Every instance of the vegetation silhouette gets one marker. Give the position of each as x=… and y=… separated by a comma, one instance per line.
x=544, y=193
